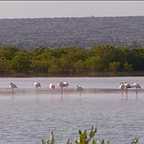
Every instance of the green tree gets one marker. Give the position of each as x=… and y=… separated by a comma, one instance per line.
x=79, y=67
x=21, y=62
x=94, y=64
x=5, y=67
x=39, y=66
x=127, y=67
x=114, y=67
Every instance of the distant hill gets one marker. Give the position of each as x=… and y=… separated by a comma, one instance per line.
x=62, y=32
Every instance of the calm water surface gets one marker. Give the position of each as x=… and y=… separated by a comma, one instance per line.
x=27, y=118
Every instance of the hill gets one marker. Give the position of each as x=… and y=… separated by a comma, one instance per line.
x=62, y=32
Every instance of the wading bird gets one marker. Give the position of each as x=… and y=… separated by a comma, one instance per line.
x=63, y=84
x=135, y=85
x=79, y=88
x=12, y=85
x=52, y=86
x=37, y=84
x=124, y=85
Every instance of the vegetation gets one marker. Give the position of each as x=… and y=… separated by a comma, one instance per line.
x=72, y=31
x=98, y=60
x=85, y=137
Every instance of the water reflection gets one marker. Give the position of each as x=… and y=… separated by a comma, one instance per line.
x=61, y=95
x=126, y=93
x=33, y=115
x=12, y=97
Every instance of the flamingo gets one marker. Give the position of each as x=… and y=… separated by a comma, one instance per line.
x=63, y=84
x=124, y=85
x=37, y=84
x=79, y=88
x=135, y=85
x=51, y=86
x=12, y=85
x=127, y=85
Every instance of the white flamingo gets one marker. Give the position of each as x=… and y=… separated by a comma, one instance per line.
x=52, y=86
x=37, y=84
x=12, y=85
x=135, y=85
x=124, y=85
x=63, y=84
x=79, y=88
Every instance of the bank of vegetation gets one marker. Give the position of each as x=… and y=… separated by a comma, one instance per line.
x=101, y=60
x=84, y=137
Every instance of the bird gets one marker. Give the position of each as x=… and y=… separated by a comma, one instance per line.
x=135, y=85
x=124, y=85
x=127, y=85
x=52, y=86
x=37, y=84
x=12, y=85
x=79, y=88
x=63, y=84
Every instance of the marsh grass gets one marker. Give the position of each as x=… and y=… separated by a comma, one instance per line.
x=84, y=137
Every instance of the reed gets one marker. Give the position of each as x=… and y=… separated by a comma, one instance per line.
x=84, y=137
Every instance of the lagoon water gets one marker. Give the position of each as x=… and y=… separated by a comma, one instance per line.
x=27, y=118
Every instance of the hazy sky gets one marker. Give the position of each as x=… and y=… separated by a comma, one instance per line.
x=24, y=9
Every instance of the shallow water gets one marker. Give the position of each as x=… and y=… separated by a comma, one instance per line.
x=27, y=118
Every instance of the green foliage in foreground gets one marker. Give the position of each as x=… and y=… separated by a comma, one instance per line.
x=85, y=137
x=100, y=59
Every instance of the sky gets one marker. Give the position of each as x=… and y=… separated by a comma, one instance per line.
x=42, y=9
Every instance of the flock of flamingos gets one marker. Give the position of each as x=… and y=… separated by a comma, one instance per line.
x=126, y=85
x=62, y=84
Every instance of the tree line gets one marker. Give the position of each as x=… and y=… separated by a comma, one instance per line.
x=74, y=61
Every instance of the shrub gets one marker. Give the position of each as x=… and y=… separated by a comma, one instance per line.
x=85, y=137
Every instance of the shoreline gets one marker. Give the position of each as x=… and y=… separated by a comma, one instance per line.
x=133, y=74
